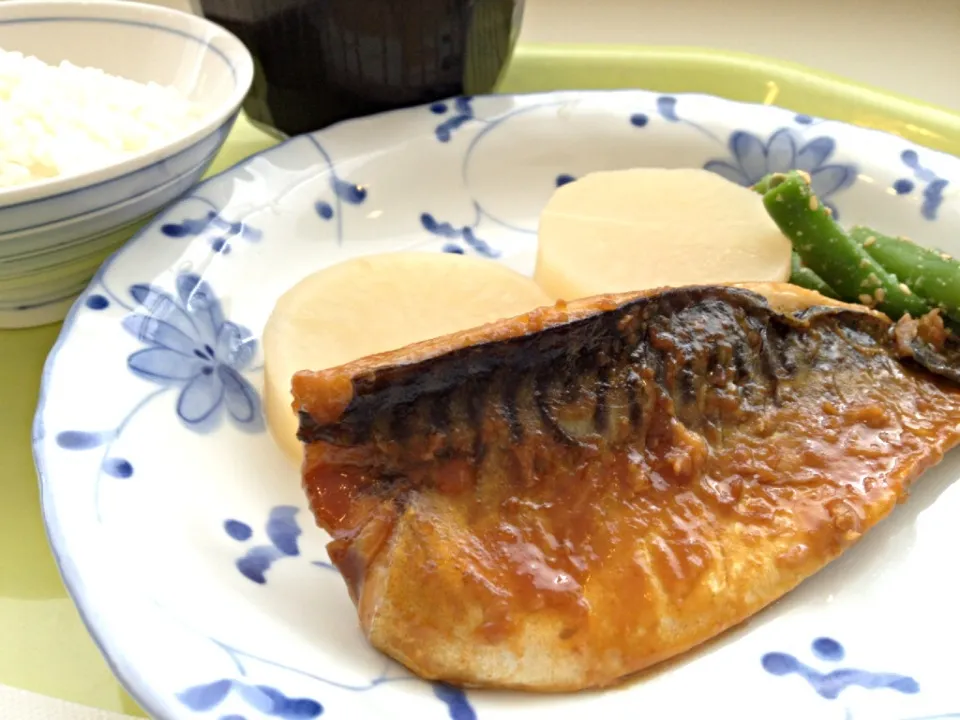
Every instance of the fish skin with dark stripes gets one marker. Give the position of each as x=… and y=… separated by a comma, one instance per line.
x=557, y=501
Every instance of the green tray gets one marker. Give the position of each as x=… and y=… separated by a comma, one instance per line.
x=737, y=76
x=45, y=647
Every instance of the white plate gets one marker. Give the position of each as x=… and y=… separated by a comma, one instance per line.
x=181, y=530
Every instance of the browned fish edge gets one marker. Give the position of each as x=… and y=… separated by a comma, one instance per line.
x=322, y=397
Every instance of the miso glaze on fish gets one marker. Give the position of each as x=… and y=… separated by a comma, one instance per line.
x=556, y=501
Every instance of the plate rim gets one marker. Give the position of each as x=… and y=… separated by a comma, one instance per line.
x=145, y=694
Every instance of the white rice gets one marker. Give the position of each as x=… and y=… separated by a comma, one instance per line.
x=62, y=120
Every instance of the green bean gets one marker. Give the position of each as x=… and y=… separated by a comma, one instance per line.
x=764, y=184
x=932, y=275
x=806, y=278
x=826, y=249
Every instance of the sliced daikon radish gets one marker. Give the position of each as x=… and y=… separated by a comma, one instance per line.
x=628, y=230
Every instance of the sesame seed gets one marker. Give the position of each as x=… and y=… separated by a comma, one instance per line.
x=805, y=175
x=904, y=289
x=866, y=300
x=813, y=202
x=864, y=264
x=869, y=241
x=879, y=294
x=944, y=256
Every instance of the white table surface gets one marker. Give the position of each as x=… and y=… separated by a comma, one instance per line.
x=909, y=47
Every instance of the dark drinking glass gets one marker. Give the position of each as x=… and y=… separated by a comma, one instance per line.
x=320, y=61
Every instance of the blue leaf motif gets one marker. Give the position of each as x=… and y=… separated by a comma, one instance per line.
x=239, y=531
x=118, y=468
x=443, y=229
x=188, y=227
x=667, y=107
x=218, y=231
x=80, y=440
x=828, y=649
x=466, y=234
x=255, y=698
x=932, y=199
x=348, y=192
x=910, y=159
x=482, y=247
x=932, y=193
x=283, y=531
x=205, y=697
x=458, y=707
x=288, y=708
x=903, y=186
x=256, y=562
x=463, y=113
x=829, y=685
x=265, y=699
x=97, y=302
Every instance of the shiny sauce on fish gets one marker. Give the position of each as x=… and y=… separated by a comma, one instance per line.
x=629, y=469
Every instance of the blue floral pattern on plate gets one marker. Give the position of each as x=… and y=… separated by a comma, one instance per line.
x=269, y=701
x=753, y=158
x=469, y=176
x=462, y=113
x=465, y=233
x=218, y=232
x=193, y=346
x=282, y=533
x=830, y=684
x=934, y=186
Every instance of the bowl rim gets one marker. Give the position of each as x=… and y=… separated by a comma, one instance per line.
x=209, y=35
x=25, y=232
